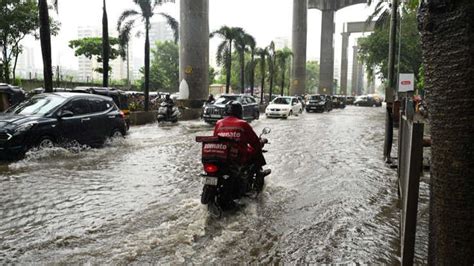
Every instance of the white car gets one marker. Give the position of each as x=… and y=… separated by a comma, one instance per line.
x=283, y=107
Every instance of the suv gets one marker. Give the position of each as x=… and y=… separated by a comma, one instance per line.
x=49, y=118
x=318, y=103
x=212, y=112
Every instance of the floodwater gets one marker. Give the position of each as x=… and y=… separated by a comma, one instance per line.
x=329, y=199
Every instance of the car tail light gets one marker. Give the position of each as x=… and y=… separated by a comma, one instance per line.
x=210, y=168
x=122, y=114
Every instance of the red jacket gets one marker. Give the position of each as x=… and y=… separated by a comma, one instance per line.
x=239, y=130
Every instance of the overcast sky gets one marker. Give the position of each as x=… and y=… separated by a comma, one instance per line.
x=264, y=19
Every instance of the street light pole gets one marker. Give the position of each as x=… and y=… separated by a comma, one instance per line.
x=390, y=88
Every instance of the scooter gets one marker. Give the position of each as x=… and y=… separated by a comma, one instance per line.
x=225, y=181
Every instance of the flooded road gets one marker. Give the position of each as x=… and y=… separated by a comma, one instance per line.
x=329, y=199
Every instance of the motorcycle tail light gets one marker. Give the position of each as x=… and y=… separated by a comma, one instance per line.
x=210, y=168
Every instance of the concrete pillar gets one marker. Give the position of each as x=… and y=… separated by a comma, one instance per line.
x=326, y=75
x=194, y=48
x=344, y=62
x=299, y=40
x=360, y=78
x=355, y=69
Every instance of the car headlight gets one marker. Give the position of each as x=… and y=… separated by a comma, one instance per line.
x=24, y=128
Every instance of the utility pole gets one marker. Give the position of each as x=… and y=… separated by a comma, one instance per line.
x=390, y=88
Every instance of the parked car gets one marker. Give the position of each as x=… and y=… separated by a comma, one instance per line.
x=365, y=100
x=284, y=107
x=50, y=118
x=339, y=102
x=213, y=112
x=317, y=103
x=350, y=100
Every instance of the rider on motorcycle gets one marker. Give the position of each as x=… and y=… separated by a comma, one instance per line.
x=168, y=100
x=249, y=144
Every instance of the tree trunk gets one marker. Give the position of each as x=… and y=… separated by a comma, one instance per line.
x=262, y=83
x=45, y=35
x=17, y=53
x=282, y=81
x=6, y=62
x=242, y=72
x=252, y=74
x=389, y=90
x=105, y=48
x=228, y=68
x=147, y=64
x=272, y=75
x=128, y=67
x=448, y=49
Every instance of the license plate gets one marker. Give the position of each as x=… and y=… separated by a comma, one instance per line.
x=314, y=108
x=215, y=116
x=209, y=180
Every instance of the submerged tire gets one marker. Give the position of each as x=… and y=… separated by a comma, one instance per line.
x=46, y=142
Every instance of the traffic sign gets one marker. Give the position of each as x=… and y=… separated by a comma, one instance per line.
x=406, y=82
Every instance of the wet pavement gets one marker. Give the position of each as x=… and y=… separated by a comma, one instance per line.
x=329, y=199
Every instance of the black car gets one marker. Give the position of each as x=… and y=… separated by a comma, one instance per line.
x=216, y=111
x=339, y=102
x=366, y=100
x=50, y=118
x=350, y=100
x=318, y=103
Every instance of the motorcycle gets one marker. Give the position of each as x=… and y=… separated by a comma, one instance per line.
x=168, y=112
x=224, y=180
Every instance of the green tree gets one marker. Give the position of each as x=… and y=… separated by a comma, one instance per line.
x=242, y=43
x=283, y=57
x=92, y=47
x=126, y=24
x=312, y=76
x=212, y=75
x=18, y=19
x=373, y=49
x=164, y=74
x=262, y=54
x=224, y=50
x=272, y=66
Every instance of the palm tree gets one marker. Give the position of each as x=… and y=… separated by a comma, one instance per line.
x=224, y=50
x=125, y=26
x=45, y=38
x=447, y=30
x=243, y=41
x=105, y=48
x=262, y=54
x=252, y=64
x=271, y=66
x=282, y=57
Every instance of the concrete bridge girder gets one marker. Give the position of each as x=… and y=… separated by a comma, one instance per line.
x=333, y=5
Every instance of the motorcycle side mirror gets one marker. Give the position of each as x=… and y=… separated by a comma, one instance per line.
x=266, y=131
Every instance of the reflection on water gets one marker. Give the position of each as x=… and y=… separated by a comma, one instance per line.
x=329, y=199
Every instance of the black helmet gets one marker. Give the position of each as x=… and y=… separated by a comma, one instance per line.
x=234, y=108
